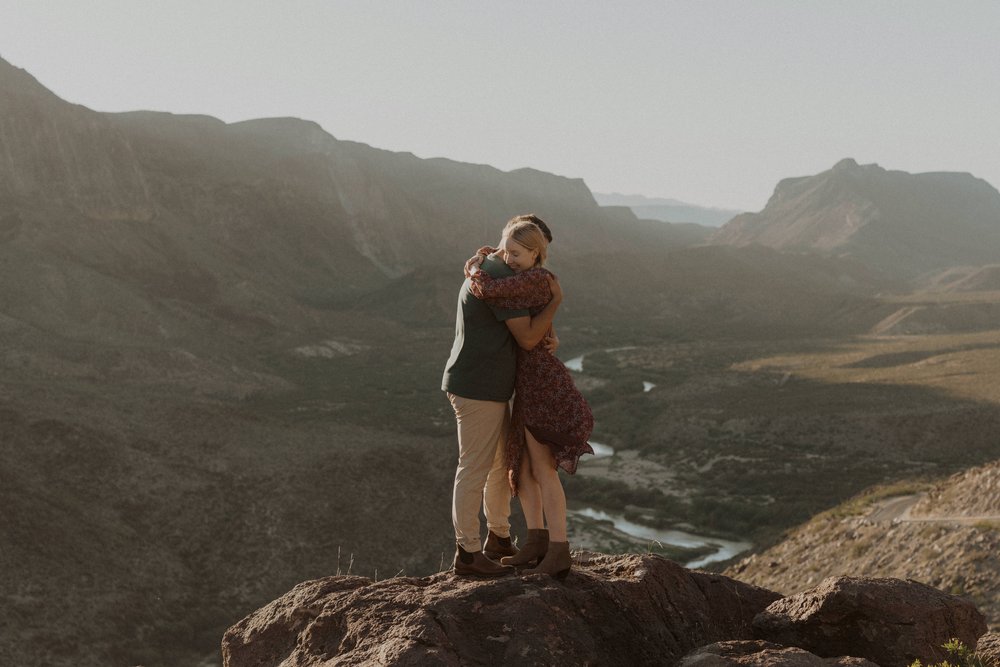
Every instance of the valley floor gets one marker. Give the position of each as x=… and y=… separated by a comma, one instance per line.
x=749, y=439
x=138, y=497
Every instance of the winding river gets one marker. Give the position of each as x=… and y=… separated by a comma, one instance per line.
x=724, y=549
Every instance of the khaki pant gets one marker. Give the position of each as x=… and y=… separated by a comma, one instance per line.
x=481, y=477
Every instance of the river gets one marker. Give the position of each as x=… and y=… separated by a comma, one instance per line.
x=724, y=549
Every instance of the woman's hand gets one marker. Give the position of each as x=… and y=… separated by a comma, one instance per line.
x=474, y=263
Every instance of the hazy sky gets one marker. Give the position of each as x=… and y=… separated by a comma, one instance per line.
x=705, y=101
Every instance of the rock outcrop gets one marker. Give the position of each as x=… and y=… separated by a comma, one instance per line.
x=611, y=610
x=742, y=653
x=889, y=621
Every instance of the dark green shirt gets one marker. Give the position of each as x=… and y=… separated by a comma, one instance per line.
x=484, y=355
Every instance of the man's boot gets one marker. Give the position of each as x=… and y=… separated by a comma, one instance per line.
x=533, y=551
x=476, y=564
x=496, y=547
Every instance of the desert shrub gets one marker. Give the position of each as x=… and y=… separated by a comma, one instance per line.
x=613, y=495
x=738, y=517
x=960, y=653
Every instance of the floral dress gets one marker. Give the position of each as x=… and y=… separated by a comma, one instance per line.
x=546, y=401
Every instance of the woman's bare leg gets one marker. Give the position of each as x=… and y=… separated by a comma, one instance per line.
x=530, y=495
x=543, y=468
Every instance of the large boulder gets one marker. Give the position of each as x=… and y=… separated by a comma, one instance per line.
x=743, y=653
x=611, y=610
x=889, y=621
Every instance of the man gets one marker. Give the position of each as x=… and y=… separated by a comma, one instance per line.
x=479, y=381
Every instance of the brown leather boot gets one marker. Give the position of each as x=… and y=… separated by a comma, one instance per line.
x=476, y=564
x=496, y=546
x=533, y=551
x=557, y=561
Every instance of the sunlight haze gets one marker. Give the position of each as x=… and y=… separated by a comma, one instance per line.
x=706, y=102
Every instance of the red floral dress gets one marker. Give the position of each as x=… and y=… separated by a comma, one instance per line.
x=546, y=401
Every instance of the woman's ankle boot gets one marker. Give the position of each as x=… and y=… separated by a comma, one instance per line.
x=533, y=551
x=556, y=563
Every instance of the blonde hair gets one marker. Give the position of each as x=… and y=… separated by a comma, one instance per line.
x=530, y=236
x=529, y=217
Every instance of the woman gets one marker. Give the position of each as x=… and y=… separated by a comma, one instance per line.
x=551, y=421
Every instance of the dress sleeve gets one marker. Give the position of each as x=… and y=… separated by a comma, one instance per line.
x=528, y=289
x=485, y=250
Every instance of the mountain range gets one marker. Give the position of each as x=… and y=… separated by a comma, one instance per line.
x=222, y=344
x=905, y=224
x=668, y=210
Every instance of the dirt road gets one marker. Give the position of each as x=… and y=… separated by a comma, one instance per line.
x=898, y=509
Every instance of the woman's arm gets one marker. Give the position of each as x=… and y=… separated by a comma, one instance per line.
x=474, y=263
x=529, y=331
x=528, y=289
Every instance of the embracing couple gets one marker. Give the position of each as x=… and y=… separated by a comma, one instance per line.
x=504, y=346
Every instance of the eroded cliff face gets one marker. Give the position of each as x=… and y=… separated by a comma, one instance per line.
x=904, y=223
x=172, y=226
x=821, y=212
x=263, y=215
x=65, y=154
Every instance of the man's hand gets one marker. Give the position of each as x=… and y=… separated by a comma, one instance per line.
x=551, y=342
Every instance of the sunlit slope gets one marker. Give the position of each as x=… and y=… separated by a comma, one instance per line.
x=903, y=224
x=945, y=534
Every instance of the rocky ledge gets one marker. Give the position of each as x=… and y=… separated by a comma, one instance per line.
x=611, y=610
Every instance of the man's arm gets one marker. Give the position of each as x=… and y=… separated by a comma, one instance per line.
x=529, y=331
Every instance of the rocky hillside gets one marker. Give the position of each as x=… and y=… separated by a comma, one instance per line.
x=53, y=153
x=947, y=536
x=612, y=610
x=972, y=495
x=910, y=224
x=247, y=215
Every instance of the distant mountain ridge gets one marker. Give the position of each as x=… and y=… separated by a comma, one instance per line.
x=910, y=224
x=668, y=210
x=143, y=211
x=266, y=219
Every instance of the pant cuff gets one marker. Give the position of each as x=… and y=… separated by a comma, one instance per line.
x=500, y=531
